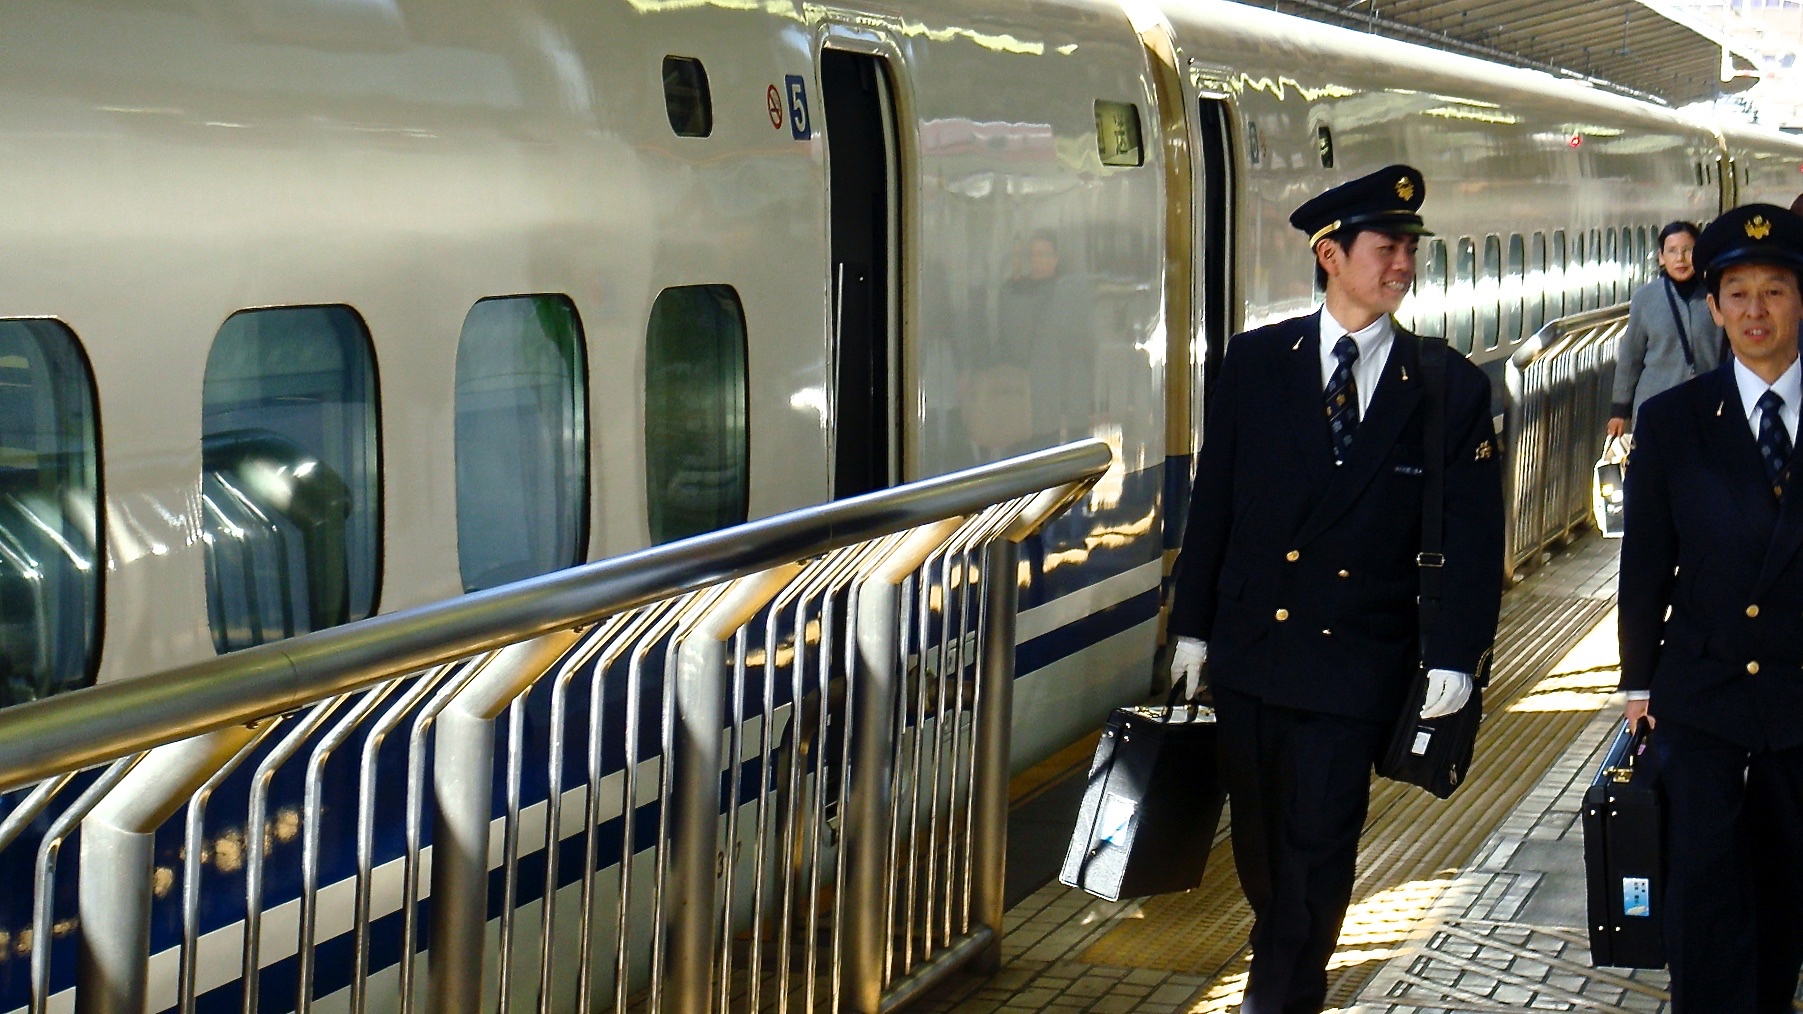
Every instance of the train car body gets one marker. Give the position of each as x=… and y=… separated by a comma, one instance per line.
x=329, y=309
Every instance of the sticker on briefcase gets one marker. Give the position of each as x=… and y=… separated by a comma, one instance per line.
x=1117, y=813
x=1422, y=738
x=1636, y=896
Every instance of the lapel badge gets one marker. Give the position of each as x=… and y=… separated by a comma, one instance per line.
x=1405, y=189
x=1758, y=227
x=1485, y=449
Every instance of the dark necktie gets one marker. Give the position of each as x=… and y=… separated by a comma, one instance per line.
x=1343, y=398
x=1774, y=440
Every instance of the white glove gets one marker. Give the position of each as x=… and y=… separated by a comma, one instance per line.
x=1447, y=692
x=1186, y=665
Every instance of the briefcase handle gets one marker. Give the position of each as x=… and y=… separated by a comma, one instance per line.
x=1643, y=735
x=1194, y=705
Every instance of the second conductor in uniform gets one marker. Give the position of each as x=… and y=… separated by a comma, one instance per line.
x=1298, y=575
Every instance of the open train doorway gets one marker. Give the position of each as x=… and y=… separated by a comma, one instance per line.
x=1214, y=227
x=865, y=363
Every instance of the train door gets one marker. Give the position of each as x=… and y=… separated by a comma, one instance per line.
x=865, y=363
x=1214, y=243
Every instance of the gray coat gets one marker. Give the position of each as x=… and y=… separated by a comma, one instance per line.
x=1651, y=359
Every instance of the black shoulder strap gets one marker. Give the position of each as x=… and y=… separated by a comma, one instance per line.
x=1671, y=300
x=1433, y=486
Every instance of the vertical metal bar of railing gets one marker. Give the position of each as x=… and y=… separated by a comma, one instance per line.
x=865, y=835
x=118, y=838
x=700, y=713
x=463, y=783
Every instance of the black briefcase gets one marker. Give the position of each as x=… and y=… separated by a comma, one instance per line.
x=1624, y=855
x=1152, y=804
x=1609, y=489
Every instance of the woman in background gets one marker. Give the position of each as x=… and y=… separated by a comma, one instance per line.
x=1671, y=337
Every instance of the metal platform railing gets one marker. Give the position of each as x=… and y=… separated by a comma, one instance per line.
x=1557, y=393
x=761, y=769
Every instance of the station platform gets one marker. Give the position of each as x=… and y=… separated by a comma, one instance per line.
x=1474, y=904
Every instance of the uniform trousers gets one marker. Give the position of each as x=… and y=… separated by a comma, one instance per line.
x=1734, y=890
x=1299, y=782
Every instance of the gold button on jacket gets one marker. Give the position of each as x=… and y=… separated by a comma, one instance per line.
x=1282, y=615
x=1292, y=556
x=1753, y=668
x=1752, y=611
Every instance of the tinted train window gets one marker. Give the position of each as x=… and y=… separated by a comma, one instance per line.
x=49, y=500
x=1538, y=291
x=1117, y=133
x=291, y=474
x=1559, y=269
x=1430, y=291
x=1577, y=276
x=1514, y=289
x=1324, y=146
x=522, y=440
x=697, y=450
x=1611, y=280
x=1489, y=293
x=1594, y=262
x=686, y=99
x=1643, y=262
x=1464, y=297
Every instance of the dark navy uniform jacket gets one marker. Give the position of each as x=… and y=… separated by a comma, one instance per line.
x=1706, y=538
x=1301, y=574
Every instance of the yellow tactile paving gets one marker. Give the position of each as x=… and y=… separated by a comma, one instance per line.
x=1411, y=839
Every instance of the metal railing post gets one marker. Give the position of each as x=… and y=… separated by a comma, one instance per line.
x=875, y=692
x=463, y=776
x=693, y=927
x=995, y=691
x=118, y=840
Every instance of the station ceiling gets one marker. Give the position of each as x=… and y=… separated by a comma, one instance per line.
x=1623, y=44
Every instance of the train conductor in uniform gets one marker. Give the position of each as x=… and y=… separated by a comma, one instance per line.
x=1298, y=574
x=1711, y=613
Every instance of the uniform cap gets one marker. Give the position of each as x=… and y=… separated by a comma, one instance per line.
x=1386, y=201
x=1751, y=234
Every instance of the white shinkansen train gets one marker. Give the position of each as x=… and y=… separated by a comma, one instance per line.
x=313, y=309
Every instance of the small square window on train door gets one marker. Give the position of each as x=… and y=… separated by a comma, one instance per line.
x=1324, y=145
x=1117, y=134
x=686, y=99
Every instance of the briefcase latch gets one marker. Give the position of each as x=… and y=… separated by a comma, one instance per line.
x=1430, y=559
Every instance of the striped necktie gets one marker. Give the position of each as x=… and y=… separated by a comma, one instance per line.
x=1343, y=398
x=1774, y=441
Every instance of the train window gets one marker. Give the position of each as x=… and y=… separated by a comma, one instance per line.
x=1463, y=297
x=1643, y=261
x=697, y=451
x=1558, y=269
x=49, y=503
x=1595, y=263
x=291, y=474
x=686, y=99
x=1117, y=133
x=1699, y=168
x=1611, y=275
x=1254, y=149
x=1489, y=293
x=1430, y=291
x=1324, y=145
x=1577, y=277
x=1514, y=289
x=1536, y=289
x=521, y=439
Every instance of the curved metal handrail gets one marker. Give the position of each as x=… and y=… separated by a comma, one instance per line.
x=91, y=726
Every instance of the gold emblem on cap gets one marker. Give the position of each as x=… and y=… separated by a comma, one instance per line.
x=1758, y=227
x=1405, y=189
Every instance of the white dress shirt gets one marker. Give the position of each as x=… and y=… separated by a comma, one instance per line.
x=1789, y=387
x=1374, y=342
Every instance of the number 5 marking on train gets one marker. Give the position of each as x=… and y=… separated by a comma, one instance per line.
x=798, y=107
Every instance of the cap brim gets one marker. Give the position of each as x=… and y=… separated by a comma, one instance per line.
x=1757, y=254
x=1401, y=224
